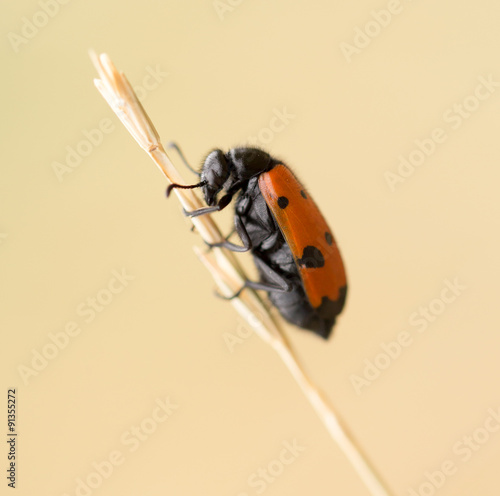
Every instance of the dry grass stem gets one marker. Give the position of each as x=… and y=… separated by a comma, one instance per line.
x=222, y=264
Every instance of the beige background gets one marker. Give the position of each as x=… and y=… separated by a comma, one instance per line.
x=221, y=78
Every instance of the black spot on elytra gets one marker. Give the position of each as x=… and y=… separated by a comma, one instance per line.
x=328, y=310
x=312, y=258
x=303, y=194
x=283, y=202
x=329, y=238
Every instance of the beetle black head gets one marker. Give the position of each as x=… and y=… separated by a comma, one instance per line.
x=214, y=174
x=225, y=171
x=228, y=171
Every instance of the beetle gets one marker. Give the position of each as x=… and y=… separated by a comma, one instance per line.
x=293, y=248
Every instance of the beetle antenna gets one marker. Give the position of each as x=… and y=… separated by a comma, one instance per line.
x=184, y=186
x=176, y=147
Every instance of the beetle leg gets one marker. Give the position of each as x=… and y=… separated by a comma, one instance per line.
x=223, y=203
x=176, y=147
x=277, y=282
x=243, y=234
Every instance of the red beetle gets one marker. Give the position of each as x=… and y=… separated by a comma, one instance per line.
x=293, y=248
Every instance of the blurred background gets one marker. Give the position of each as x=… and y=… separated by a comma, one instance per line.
x=130, y=376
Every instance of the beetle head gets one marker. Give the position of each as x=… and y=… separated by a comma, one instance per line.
x=215, y=173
